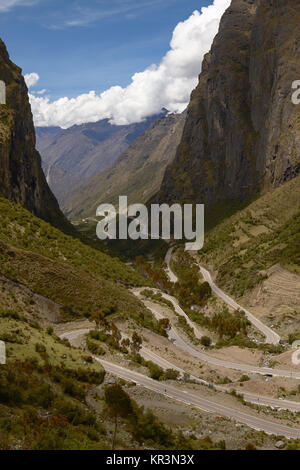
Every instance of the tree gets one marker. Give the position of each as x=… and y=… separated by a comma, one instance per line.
x=98, y=318
x=118, y=405
x=136, y=343
x=164, y=324
x=125, y=343
x=156, y=372
x=115, y=332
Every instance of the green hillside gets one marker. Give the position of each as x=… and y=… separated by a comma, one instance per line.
x=267, y=232
x=52, y=397
x=79, y=278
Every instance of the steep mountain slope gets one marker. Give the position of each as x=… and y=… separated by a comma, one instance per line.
x=79, y=281
x=256, y=238
x=70, y=156
x=137, y=173
x=242, y=132
x=255, y=256
x=21, y=176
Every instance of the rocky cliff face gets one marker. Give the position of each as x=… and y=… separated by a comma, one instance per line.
x=242, y=133
x=21, y=176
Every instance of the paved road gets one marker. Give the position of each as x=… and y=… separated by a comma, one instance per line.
x=250, y=397
x=172, y=277
x=201, y=403
x=271, y=336
x=198, y=334
x=203, y=356
x=164, y=364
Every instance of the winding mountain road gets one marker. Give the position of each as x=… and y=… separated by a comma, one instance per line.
x=189, y=398
x=176, y=339
x=270, y=335
x=251, y=420
x=165, y=364
x=172, y=276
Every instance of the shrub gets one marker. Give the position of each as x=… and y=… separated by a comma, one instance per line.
x=244, y=378
x=73, y=389
x=41, y=396
x=50, y=330
x=171, y=374
x=156, y=372
x=205, y=341
x=75, y=414
x=40, y=348
x=94, y=348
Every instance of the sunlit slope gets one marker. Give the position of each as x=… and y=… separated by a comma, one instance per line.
x=256, y=238
x=79, y=278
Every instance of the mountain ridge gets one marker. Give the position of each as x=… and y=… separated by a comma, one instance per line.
x=137, y=172
x=71, y=156
x=21, y=176
x=241, y=135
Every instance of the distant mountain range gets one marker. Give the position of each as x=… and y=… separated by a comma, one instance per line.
x=137, y=173
x=73, y=155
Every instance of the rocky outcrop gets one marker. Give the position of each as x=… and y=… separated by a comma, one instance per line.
x=242, y=133
x=21, y=177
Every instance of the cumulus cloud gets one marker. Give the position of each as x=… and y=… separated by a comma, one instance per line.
x=167, y=85
x=31, y=79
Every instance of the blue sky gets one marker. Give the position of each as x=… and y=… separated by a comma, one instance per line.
x=81, y=45
x=124, y=60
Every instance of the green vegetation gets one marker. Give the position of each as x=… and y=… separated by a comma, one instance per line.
x=43, y=389
x=43, y=399
x=206, y=341
x=244, y=378
x=245, y=246
x=79, y=278
x=157, y=297
x=118, y=405
x=189, y=290
x=126, y=250
x=229, y=325
x=144, y=426
x=154, y=271
x=94, y=347
x=294, y=337
x=108, y=335
x=155, y=372
x=22, y=230
x=183, y=324
x=24, y=339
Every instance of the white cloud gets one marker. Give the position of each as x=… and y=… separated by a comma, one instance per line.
x=31, y=79
x=41, y=92
x=167, y=85
x=6, y=5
